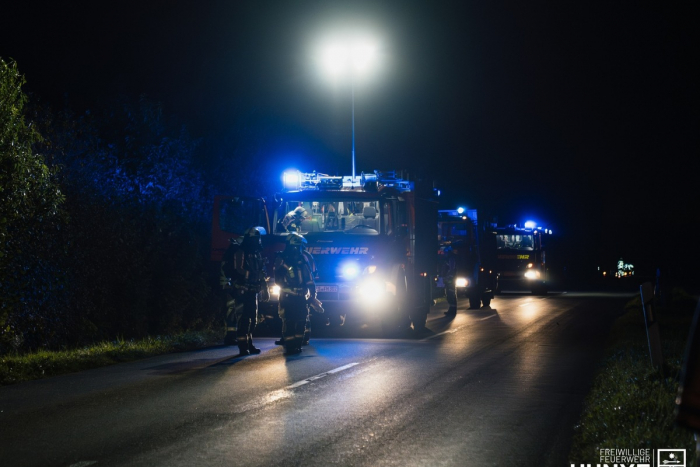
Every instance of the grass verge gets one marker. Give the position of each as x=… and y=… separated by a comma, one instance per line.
x=44, y=363
x=631, y=405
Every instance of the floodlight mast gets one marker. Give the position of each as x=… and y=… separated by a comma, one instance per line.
x=351, y=57
x=352, y=95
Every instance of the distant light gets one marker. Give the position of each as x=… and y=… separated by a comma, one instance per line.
x=460, y=210
x=530, y=225
x=461, y=282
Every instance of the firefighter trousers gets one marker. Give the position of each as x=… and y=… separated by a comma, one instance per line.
x=295, y=313
x=246, y=316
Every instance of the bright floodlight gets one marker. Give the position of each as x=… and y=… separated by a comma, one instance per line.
x=348, y=57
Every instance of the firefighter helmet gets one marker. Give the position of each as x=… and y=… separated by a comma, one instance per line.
x=252, y=238
x=299, y=211
x=295, y=240
x=253, y=232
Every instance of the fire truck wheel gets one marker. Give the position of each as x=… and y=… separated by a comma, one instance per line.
x=474, y=302
x=486, y=301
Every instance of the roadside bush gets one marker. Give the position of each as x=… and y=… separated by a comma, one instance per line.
x=113, y=245
x=32, y=285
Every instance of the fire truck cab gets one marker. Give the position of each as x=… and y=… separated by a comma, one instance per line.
x=520, y=257
x=373, y=239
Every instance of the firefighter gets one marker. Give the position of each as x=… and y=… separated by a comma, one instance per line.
x=248, y=282
x=293, y=275
x=314, y=304
x=292, y=221
x=228, y=270
x=448, y=272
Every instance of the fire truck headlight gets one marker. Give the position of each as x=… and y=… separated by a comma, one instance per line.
x=532, y=275
x=350, y=271
x=372, y=290
x=530, y=265
x=461, y=282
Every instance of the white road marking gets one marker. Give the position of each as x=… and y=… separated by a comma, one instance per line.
x=452, y=331
x=321, y=375
x=487, y=317
x=83, y=464
x=284, y=393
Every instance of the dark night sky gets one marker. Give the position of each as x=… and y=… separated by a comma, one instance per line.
x=582, y=115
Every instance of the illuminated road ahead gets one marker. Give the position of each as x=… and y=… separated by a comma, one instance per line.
x=500, y=386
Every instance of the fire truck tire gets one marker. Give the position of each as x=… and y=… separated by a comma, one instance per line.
x=486, y=301
x=474, y=302
x=396, y=317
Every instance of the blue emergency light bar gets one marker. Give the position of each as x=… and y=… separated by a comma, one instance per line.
x=298, y=181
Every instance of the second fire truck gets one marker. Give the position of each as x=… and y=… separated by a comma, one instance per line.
x=520, y=257
x=464, y=269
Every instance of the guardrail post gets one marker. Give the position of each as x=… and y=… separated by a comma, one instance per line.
x=646, y=291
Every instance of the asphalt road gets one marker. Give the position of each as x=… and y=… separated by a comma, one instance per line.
x=495, y=386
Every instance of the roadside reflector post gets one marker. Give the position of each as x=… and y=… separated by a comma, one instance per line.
x=646, y=291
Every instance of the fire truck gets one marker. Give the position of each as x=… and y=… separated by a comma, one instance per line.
x=520, y=257
x=463, y=269
x=373, y=238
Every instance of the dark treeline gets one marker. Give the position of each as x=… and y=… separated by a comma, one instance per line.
x=104, y=221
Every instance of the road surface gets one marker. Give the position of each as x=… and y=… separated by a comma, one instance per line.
x=494, y=386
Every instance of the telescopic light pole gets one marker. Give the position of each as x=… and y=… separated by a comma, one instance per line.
x=352, y=96
x=352, y=59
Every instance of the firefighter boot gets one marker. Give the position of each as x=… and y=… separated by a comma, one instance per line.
x=243, y=345
x=251, y=348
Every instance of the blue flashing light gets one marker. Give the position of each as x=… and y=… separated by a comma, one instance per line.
x=530, y=225
x=460, y=210
x=291, y=180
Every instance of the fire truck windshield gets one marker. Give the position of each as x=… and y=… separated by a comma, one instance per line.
x=346, y=215
x=515, y=241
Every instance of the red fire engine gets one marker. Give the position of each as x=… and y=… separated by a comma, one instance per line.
x=373, y=238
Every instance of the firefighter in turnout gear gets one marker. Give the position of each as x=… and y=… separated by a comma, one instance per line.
x=293, y=220
x=315, y=305
x=247, y=282
x=228, y=270
x=293, y=275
